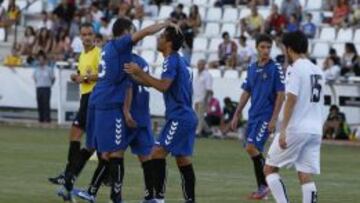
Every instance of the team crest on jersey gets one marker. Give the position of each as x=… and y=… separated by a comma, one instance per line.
x=171, y=132
x=118, y=131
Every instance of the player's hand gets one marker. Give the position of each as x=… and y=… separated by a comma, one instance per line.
x=272, y=126
x=132, y=69
x=234, y=122
x=130, y=122
x=282, y=141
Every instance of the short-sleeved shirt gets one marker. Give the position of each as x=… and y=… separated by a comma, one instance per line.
x=202, y=84
x=306, y=81
x=140, y=103
x=43, y=76
x=88, y=65
x=309, y=29
x=178, y=98
x=110, y=89
x=263, y=84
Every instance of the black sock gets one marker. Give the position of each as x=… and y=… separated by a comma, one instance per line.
x=148, y=180
x=188, y=182
x=74, y=149
x=100, y=173
x=84, y=156
x=159, y=177
x=259, y=163
x=116, y=169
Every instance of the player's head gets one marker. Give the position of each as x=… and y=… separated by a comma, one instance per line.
x=170, y=40
x=122, y=26
x=295, y=43
x=87, y=34
x=263, y=46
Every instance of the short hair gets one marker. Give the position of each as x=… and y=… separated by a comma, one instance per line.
x=263, y=38
x=224, y=34
x=86, y=25
x=176, y=37
x=334, y=107
x=121, y=25
x=41, y=53
x=332, y=51
x=243, y=38
x=297, y=41
x=181, y=6
x=99, y=36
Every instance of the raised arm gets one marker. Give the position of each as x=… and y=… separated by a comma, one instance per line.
x=150, y=30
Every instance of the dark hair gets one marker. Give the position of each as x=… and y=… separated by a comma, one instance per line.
x=310, y=15
x=99, y=36
x=351, y=47
x=181, y=6
x=32, y=30
x=194, y=15
x=176, y=38
x=263, y=38
x=243, y=38
x=120, y=26
x=334, y=107
x=41, y=53
x=227, y=100
x=297, y=41
x=224, y=34
x=87, y=24
x=332, y=51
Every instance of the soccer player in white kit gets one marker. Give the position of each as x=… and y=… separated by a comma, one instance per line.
x=298, y=143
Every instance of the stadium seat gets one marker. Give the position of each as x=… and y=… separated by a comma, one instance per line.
x=278, y=2
x=35, y=8
x=214, y=14
x=202, y=11
x=357, y=46
x=230, y=28
x=214, y=44
x=200, y=3
x=244, y=12
x=136, y=23
x=146, y=23
x=165, y=12
x=340, y=48
x=303, y=3
x=2, y=34
x=211, y=3
x=230, y=15
x=320, y=50
x=233, y=74
x=264, y=12
x=317, y=19
x=313, y=5
x=213, y=57
x=327, y=34
x=212, y=30
x=195, y=57
x=357, y=36
x=216, y=73
x=320, y=62
x=345, y=35
x=200, y=44
x=149, y=43
x=159, y=60
x=149, y=56
x=185, y=2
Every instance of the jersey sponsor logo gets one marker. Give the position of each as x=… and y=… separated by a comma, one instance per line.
x=118, y=131
x=171, y=133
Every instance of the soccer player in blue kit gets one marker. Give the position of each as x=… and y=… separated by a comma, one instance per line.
x=265, y=86
x=137, y=117
x=178, y=134
x=107, y=129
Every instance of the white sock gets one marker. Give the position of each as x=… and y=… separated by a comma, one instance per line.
x=309, y=193
x=277, y=188
x=159, y=200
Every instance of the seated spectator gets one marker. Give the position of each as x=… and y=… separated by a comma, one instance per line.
x=99, y=40
x=95, y=11
x=178, y=14
x=341, y=12
x=293, y=24
x=65, y=11
x=14, y=59
x=194, y=19
x=290, y=7
x=74, y=29
x=335, y=126
x=253, y=23
x=213, y=112
x=246, y=54
x=309, y=28
x=44, y=42
x=333, y=54
x=28, y=41
x=96, y=24
x=46, y=21
x=331, y=70
x=228, y=113
x=350, y=60
x=61, y=50
x=227, y=53
x=105, y=29
x=275, y=22
x=137, y=10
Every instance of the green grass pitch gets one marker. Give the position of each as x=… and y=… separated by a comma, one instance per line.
x=224, y=172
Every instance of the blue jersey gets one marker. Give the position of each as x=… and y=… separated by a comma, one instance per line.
x=140, y=104
x=110, y=89
x=263, y=84
x=178, y=98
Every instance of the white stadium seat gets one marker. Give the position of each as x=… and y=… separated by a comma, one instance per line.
x=327, y=34
x=357, y=46
x=320, y=50
x=278, y=2
x=231, y=15
x=2, y=34
x=136, y=23
x=214, y=44
x=195, y=57
x=184, y=2
x=244, y=12
x=317, y=18
x=149, y=56
x=340, y=48
x=230, y=28
x=202, y=11
x=212, y=29
x=149, y=43
x=146, y=23
x=357, y=36
x=275, y=51
x=35, y=8
x=233, y=74
x=214, y=14
x=215, y=73
x=165, y=12
x=213, y=57
x=200, y=3
x=314, y=5
x=303, y=3
x=200, y=44
x=264, y=12
x=345, y=35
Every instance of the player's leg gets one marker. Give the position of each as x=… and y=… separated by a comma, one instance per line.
x=116, y=171
x=146, y=164
x=276, y=184
x=187, y=177
x=309, y=191
x=158, y=156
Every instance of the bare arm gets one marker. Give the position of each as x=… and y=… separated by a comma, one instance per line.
x=244, y=98
x=127, y=107
x=150, y=30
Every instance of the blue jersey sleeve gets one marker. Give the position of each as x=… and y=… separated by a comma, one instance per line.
x=279, y=79
x=246, y=84
x=124, y=43
x=169, y=69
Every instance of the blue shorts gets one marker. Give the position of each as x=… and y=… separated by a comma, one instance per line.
x=142, y=142
x=178, y=137
x=106, y=129
x=257, y=134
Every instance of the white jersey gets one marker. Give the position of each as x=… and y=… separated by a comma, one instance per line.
x=306, y=81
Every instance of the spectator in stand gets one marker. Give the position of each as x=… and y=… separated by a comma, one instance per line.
x=213, y=115
x=276, y=22
x=65, y=11
x=202, y=84
x=350, y=60
x=99, y=40
x=331, y=70
x=46, y=21
x=14, y=59
x=194, y=19
x=309, y=28
x=178, y=15
x=246, y=54
x=105, y=29
x=335, y=126
x=13, y=12
x=96, y=13
x=221, y=3
x=253, y=23
x=340, y=13
x=44, y=78
x=290, y=7
x=74, y=29
x=228, y=113
x=96, y=24
x=61, y=50
x=137, y=10
x=293, y=24
x=227, y=53
x=44, y=42
x=28, y=41
x=334, y=56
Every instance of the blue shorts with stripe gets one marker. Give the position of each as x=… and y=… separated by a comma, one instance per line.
x=257, y=133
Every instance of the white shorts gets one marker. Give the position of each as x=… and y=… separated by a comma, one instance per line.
x=303, y=152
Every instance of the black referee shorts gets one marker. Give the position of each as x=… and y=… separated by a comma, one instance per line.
x=80, y=119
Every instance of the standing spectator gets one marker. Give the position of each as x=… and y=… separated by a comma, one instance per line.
x=44, y=78
x=13, y=12
x=341, y=12
x=28, y=41
x=178, y=14
x=227, y=53
x=46, y=21
x=202, y=89
x=44, y=41
x=290, y=7
x=96, y=24
x=293, y=24
x=137, y=10
x=65, y=11
x=246, y=54
x=275, y=22
x=213, y=114
x=309, y=28
x=350, y=59
x=253, y=23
